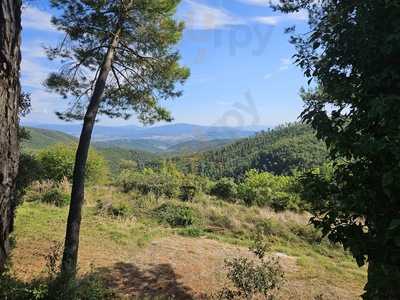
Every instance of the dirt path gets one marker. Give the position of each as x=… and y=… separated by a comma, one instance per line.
x=177, y=267
x=187, y=268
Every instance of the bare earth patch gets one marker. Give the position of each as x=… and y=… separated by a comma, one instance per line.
x=168, y=267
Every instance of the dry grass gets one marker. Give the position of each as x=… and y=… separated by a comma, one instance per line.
x=142, y=258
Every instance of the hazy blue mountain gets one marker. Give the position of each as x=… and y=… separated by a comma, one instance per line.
x=171, y=132
x=41, y=138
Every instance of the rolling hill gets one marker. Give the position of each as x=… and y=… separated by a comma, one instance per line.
x=279, y=151
x=42, y=138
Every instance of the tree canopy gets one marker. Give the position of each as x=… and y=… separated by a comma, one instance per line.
x=145, y=66
x=350, y=56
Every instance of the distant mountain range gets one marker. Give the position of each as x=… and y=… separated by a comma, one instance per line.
x=172, y=133
x=41, y=138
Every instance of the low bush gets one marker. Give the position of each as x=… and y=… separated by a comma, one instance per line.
x=57, y=162
x=307, y=233
x=260, y=278
x=48, y=191
x=114, y=209
x=187, y=192
x=176, y=215
x=166, y=182
x=192, y=231
x=265, y=189
x=149, y=181
x=56, y=197
x=225, y=188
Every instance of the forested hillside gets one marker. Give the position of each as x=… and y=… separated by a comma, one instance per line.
x=280, y=151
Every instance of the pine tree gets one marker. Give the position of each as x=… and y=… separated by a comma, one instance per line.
x=118, y=59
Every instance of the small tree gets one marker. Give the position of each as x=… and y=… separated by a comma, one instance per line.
x=118, y=58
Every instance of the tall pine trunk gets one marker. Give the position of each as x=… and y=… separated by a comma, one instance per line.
x=70, y=256
x=10, y=59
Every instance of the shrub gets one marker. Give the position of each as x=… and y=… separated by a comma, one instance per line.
x=29, y=170
x=191, y=231
x=149, y=181
x=118, y=209
x=187, y=192
x=253, y=278
x=48, y=191
x=262, y=188
x=224, y=188
x=176, y=215
x=56, y=197
x=58, y=162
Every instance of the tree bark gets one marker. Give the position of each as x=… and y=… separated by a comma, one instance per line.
x=10, y=59
x=70, y=255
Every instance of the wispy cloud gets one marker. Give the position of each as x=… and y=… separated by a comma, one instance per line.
x=34, y=18
x=259, y=2
x=33, y=49
x=300, y=16
x=33, y=73
x=204, y=17
x=285, y=64
x=268, y=20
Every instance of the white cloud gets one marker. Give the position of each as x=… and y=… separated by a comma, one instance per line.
x=259, y=2
x=33, y=49
x=203, y=17
x=33, y=73
x=285, y=64
x=268, y=20
x=34, y=18
x=282, y=18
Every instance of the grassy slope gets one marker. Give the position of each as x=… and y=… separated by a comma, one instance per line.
x=311, y=268
x=41, y=138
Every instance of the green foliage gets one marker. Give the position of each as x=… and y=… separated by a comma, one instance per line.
x=265, y=189
x=56, y=197
x=350, y=52
x=224, y=188
x=144, y=65
x=165, y=182
x=29, y=170
x=57, y=162
x=115, y=209
x=192, y=231
x=176, y=215
x=253, y=278
x=187, y=192
x=149, y=181
x=117, y=158
x=280, y=151
x=48, y=192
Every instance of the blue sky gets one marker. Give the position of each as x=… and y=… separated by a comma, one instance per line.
x=240, y=60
